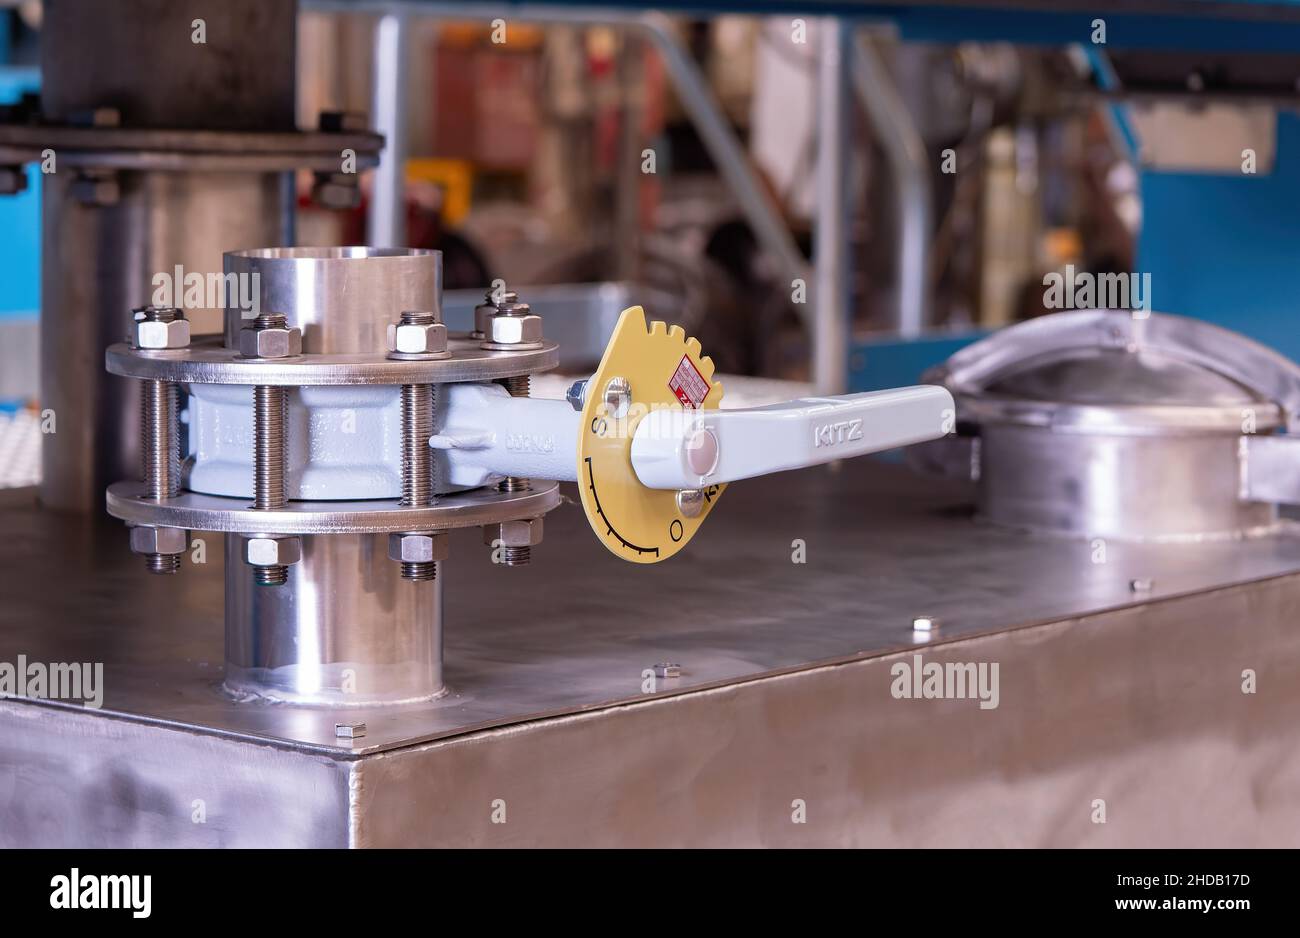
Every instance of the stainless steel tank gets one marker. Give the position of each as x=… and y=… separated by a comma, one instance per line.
x=1122, y=425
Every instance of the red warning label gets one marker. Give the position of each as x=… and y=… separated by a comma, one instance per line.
x=688, y=384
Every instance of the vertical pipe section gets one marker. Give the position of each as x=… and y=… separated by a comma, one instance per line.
x=830, y=334
x=387, y=212
x=897, y=135
x=729, y=157
x=288, y=209
x=98, y=261
x=627, y=201
x=346, y=629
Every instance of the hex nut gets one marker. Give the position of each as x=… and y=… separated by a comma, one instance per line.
x=161, y=335
x=516, y=330
x=418, y=548
x=270, y=343
x=576, y=395
x=417, y=339
x=265, y=550
x=524, y=533
x=483, y=314
x=148, y=539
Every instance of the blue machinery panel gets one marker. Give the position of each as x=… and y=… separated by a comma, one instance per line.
x=887, y=361
x=1227, y=248
x=20, y=219
x=1224, y=248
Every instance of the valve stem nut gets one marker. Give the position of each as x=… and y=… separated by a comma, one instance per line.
x=617, y=397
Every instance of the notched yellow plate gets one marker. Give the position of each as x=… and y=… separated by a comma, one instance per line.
x=664, y=368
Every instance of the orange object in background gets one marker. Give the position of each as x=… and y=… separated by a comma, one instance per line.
x=453, y=178
x=485, y=100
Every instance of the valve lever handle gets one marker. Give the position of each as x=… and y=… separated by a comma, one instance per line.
x=690, y=449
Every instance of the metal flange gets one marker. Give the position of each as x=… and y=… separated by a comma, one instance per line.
x=129, y=502
x=138, y=148
x=208, y=361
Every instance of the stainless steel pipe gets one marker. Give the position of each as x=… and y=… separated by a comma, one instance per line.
x=100, y=255
x=345, y=628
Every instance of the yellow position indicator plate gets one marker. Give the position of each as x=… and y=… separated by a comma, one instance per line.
x=662, y=368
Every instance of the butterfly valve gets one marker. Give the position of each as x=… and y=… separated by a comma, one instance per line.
x=336, y=432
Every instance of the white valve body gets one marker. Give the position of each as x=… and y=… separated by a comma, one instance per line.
x=350, y=444
x=486, y=434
